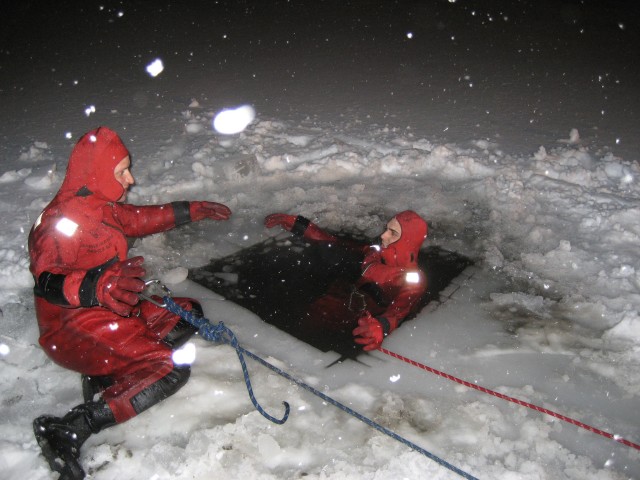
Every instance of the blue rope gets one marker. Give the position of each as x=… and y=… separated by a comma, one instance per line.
x=221, y=333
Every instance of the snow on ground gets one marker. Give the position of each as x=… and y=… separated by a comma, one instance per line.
x=549, y=313
x=511, y=127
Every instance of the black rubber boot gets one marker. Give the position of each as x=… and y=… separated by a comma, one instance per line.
x=180, y=334
x=93, y=385
x=60, y=439
x=183, y=330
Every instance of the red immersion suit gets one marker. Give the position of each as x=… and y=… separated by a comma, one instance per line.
x=79, y=234
x=389, y=288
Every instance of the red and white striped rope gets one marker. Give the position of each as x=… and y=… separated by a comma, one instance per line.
x=572, y=421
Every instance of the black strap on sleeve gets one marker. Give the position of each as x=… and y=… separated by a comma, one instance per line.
x=386, y=326
x=50, y=286
x=300, y=225
x=87, y=293
x=181, y=212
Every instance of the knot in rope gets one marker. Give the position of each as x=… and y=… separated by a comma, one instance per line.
x=220, y=333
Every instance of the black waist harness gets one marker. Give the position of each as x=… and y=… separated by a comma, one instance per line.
x=375, y=292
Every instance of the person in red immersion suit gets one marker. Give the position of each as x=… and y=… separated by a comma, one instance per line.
x=388, y=289
x=86, y=297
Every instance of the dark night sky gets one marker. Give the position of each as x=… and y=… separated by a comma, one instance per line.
x=312, y=55
x=64, y=33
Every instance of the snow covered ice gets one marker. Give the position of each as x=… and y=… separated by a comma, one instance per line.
x=548, y=314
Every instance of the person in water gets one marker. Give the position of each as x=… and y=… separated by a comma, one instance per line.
x=87, y=301
x=388, y=289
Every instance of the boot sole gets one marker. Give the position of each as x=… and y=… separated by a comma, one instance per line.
x=65, y=463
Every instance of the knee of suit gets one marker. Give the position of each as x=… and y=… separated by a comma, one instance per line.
x=163, y=388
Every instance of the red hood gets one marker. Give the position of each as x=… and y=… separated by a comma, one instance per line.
x=404, y=251
x=91, y=166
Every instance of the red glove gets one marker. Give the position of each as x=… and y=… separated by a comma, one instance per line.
x=201, y=210
x=369, y=332
x=280, y=219
x=119, y=285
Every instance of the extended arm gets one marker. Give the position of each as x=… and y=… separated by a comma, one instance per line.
x=303, y=227
x=139, y=221
x=300, y=226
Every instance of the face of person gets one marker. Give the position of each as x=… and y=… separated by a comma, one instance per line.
x=123, y=176
x=392, y=233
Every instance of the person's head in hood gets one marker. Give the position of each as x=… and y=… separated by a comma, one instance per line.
x=402, y=239
x=98, y=166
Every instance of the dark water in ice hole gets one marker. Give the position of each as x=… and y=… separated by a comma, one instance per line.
x=278, y=280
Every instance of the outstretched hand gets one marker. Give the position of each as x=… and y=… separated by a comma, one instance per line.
x=280, y=219
x=215, y=211
x=369, y=332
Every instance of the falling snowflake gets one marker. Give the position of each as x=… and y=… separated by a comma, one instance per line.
x=155, y=68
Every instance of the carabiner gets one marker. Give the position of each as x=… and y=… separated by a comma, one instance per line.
x=147, y=296
x=361, y=300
